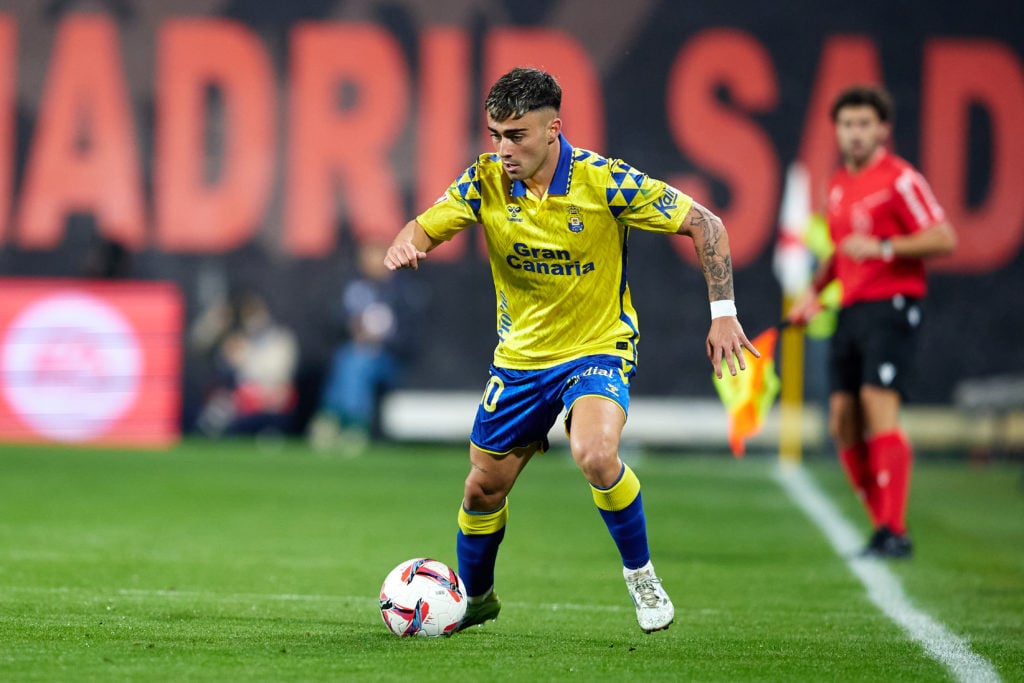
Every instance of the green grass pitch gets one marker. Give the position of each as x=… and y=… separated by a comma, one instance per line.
x=224, y=562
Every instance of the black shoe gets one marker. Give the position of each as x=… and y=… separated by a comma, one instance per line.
x=876, y=542
x=885, y=544
x=897, y=547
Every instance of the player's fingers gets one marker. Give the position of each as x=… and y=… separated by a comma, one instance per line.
x=393, y=258
x=415, y=255
x=715, y=357
x=741, y=358
x=798, y=315
x=403, y=256
x=730, y=361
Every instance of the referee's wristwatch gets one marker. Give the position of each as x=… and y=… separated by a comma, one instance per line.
x=887, y=252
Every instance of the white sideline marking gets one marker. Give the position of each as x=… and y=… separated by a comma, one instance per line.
x=883, y=587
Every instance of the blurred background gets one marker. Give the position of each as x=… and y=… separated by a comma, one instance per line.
x=186, y=189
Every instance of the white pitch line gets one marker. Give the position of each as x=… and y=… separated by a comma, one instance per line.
x=883, y=587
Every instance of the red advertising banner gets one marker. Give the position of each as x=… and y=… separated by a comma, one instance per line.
x=90, y=362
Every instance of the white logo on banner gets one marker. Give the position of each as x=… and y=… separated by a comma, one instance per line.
x=71, y=366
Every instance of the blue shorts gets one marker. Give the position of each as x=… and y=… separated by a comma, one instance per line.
x=519, y=407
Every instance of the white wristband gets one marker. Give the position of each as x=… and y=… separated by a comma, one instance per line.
x=722, y=308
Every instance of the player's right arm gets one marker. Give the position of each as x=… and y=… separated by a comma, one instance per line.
x=807, y=304
x=455, y=210
x=409, y=246
x=726, y=339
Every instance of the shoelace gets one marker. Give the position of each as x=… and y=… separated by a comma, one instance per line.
x=645, y=587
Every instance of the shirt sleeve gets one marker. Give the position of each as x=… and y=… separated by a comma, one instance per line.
x=914, y=202
x=457, y=209
x=637, y=200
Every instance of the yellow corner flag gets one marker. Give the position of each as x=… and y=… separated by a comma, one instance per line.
x=750, y=394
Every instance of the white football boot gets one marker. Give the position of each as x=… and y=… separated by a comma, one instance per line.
x=654, y=609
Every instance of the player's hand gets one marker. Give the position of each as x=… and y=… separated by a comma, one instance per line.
x=804, y=308
x=403, y=255
x=861, y=247
x=726, y=340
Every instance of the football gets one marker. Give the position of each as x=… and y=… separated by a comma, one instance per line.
x=422, y=597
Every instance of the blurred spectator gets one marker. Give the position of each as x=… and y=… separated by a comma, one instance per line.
x=376, y=318
x=255, y=360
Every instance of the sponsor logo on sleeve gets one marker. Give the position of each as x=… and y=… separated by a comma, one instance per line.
x=667, y=202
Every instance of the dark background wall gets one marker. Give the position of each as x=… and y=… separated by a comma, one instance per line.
x=716, y=97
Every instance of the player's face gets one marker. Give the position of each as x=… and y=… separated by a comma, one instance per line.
x=859, y=133
x=527, y=144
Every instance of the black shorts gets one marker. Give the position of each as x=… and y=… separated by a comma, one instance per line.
x=874, y=344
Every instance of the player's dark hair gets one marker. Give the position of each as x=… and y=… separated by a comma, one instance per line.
x=873, y=96
x=522, y=90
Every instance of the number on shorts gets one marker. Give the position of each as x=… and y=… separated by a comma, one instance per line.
x=491, y=393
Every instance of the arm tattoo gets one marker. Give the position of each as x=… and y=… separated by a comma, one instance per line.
x=717, y=268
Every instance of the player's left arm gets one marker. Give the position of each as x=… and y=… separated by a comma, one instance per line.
x=710, y=240
x=937, y=240
x=927, y=232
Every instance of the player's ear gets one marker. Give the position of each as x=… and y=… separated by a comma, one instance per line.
x=554, y=128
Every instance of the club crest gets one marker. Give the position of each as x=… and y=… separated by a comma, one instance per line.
x=575, y=218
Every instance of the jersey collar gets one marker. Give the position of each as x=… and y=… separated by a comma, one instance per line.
x=879, y=155
x=563, y=172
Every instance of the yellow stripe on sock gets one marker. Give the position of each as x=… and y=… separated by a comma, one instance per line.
x=620, y=495
x=479, y=523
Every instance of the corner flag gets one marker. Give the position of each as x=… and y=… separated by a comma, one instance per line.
x=749, y=395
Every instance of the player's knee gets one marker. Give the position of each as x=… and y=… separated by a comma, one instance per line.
x=837, y=430
x=843, y=430
x=844, y=423
x=598, y=459
x=481, y=495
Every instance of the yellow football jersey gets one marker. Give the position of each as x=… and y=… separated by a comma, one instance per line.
x=559, y=262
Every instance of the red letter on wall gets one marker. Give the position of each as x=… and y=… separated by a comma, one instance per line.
x=442, y=150
x=349, y=100
x=8, y=69
x=83, y=156
x=194, y=212
x=845, y=60
x=725, y=142
x=959, y=73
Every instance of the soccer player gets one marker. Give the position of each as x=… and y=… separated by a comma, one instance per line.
x=556, y=220
x=884, y=222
